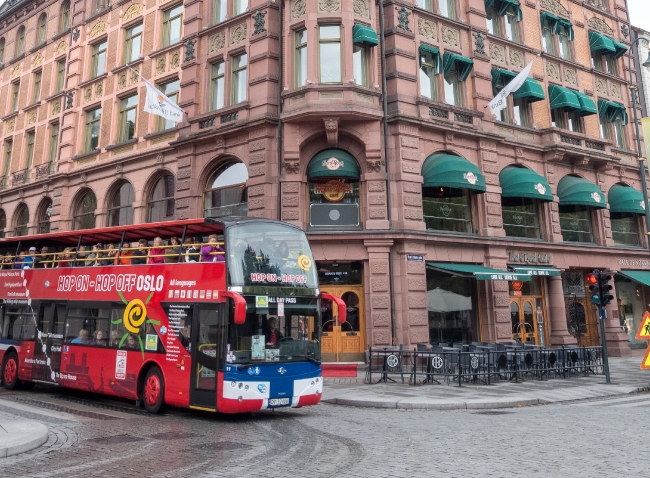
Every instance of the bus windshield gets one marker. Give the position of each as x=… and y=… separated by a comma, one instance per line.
x=269, y=254
x=284, y=329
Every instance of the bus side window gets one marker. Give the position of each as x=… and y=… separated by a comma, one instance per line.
x=74, y=324
x=3, y=332
x=29, y=324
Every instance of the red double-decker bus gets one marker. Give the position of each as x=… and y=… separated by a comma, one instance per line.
x=223, y=317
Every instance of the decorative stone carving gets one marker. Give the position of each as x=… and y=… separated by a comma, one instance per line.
x=31, y=117
x=332, y=131
x=553, y=70
x=427, y=28
x=292, y=168
x=517, y=58
x=61, y=47
x=189, y=50
x=118, y=168
x=88, y=94
x=298, y=8
x=99, y=89
x=570, y=76
x=373, y=166
x=497, y=52
x=16, y=71
x=38, y=60
x=625, y=31
x=175, y=60
x=600, y=26
x=216, y=42
x=450, y=36
x=97, y=29
x=134, y=77
x=403, y=19
x=69, y=99
x=615, y=90
x=76, y=34
x=159, y=158
x=10, y=125
x=56, y=107
x=361, y=8
x=259, y=22
x=160, y=65
x=479, y=42
x=121, y=81
x=329, y=6
x=132, y=12
x=555, y=7
x=601, y=86
x=238, y=34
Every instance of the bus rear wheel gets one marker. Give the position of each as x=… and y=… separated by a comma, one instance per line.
x=153, y=391
x=10, y=371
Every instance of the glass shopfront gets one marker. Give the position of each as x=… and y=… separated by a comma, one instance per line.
x=527, y=311
x=630, y=297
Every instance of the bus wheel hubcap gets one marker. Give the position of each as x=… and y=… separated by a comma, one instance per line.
x=152, y=390
x=10, y=371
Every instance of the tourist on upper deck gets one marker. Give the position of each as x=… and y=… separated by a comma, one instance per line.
x=82, y=257
x=157, y=252
x=65, y=259
x=139, y=256
x=43, y=260
x=28, y=261
x=109, y=256
x=18, y=263
x=174, y=251
x=7, y=261
x=93, y=258
x=212, y=251
x=192, y=253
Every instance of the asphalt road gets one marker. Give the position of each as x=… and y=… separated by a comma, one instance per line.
x=94, y=436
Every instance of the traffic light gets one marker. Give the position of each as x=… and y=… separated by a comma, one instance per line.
x=594, y=288
x=605, y=289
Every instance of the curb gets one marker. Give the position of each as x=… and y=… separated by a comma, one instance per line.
x=38, y=435
x=433, y=406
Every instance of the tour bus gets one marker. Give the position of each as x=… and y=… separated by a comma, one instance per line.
x=215, y=314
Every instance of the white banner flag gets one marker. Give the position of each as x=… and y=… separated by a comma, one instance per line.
x=500, y=101
x=158, y=104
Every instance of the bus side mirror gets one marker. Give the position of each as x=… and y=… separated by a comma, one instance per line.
x=240, y=306
x=343, y=311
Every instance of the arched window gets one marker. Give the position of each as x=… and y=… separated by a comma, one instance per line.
x=3, y=222
x=22, y=220
x=84, y=214
x=226, y=193
x=2, y=51
x=161, y=203
x=42, y=29
x=120, y=211
x=20, y=41
x=44, y=217
x=64, y=18
x=626, y=212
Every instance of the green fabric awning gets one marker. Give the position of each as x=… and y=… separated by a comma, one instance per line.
x=551, y=19
x=499, y=75
x=463, y=65
x=364, y=35
x=449, y=171
x=536, y=270
x=524, y=183
x=587, y=105
x=502, y=7
x=531, y=90
x=435, y=53
x=563, y=98
x=620, y=49
x=333, y=163
x=611, y=111
x=566, y=24
x=601, y=43
x=642, y=277
x=575, y=191
x=478, y=272
x=625, y=199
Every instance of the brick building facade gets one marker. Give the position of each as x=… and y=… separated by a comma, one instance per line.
x=372, y=177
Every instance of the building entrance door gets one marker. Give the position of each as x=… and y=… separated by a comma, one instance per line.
x=344, y=342
x=582, y=321
x=523, y=321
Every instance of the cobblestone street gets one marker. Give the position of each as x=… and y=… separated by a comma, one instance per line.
x=94, y=436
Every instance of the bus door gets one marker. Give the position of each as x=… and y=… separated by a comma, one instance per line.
x=208, y=350
x=47, y=349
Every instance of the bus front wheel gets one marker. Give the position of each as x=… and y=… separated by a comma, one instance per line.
x=10, y=371
x=153, y=391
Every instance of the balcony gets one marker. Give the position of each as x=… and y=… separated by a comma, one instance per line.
x=44, y=170
x=20, y=177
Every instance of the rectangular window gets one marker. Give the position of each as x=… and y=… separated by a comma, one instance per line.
x=36, y=94
x=217, y=80
x=424, y=4
x=54, y=141
x=625, y=228
x=504, y=114
x=619, y=134
x=512, y=27
x=329, y=54
x=428, y=77
x=240, y=6
x=128, y=110
x=29, y=153
x=574, y=122
x=172, y=23
x=605, y=131
x=98, y=59
x=575, y=224
x=610, y=65
x=447, y=209
x=565, y=44
x=492, y=21
x=597, y=61
x=239, y=82
x=548, y=40
x=9, y=145
x=360, y=62
x=132, y=43
x=219, y=10
x=521, y=112
x=557, y=119
x=453, y=88
x=93, y=120
x=171, y=91
x=521, y=217
x=15, y=90
x=60, y=76
x=301, y=58
x=447, y=8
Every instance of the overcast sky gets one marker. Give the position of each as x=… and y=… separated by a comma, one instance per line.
x=640, y=13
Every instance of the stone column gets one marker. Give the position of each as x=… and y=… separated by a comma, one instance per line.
x=378, y=300
x=556, y=318
x=617, y=339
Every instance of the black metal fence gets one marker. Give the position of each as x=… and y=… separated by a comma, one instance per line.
x=480, y=364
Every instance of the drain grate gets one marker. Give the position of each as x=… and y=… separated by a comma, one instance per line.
x=60, y=408
x=492, y=412
x=223, y=446
x=114, y=440
x=174, y=435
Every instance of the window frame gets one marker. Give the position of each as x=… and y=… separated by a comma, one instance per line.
x=43, y=221
x=634, y=219
x=129, y=37
x=433, y=80
x=365, y=67
x=20, y=41
x=2, y=51
x=124, y=134
x=30, y=140
x=300, y=47
x=9, y=147
x=96, y=53
x=457, y=88
x=41, y=31
x=161, y=123
x=525, y=202
x=15, y=96
x=451, y=9
x=89, y=124
x=36, y=86
x=592, y=230
x=549, y=45
x=130, y=210
x=77, y=217
x=151, y=202
x=54, y=141
x=235, y=78
x=321, y=42
x=469, y=207
x=565, y=47
x=218, y=7
x=167, y=24
x=215, y=79
x=22, y=228
x=236, y=7
x=64, y=17
x=60, y=76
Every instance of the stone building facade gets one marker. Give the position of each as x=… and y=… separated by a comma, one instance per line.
x=301, y=110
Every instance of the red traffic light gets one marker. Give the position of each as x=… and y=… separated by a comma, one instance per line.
x=592, y=279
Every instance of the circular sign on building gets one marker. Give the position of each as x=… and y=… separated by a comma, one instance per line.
x=333, y=190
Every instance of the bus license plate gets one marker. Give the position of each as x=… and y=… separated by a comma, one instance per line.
x=275, y=402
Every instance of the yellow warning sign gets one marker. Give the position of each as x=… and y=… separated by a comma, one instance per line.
x=644, y=330
x=645, y=365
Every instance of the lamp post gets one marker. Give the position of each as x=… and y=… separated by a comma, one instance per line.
x=633, y=88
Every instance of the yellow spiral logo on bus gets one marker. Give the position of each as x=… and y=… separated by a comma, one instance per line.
x=134, y=315
x=304, y=262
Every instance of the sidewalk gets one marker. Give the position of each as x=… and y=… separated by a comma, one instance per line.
x=18, y=435
x=625, y=377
